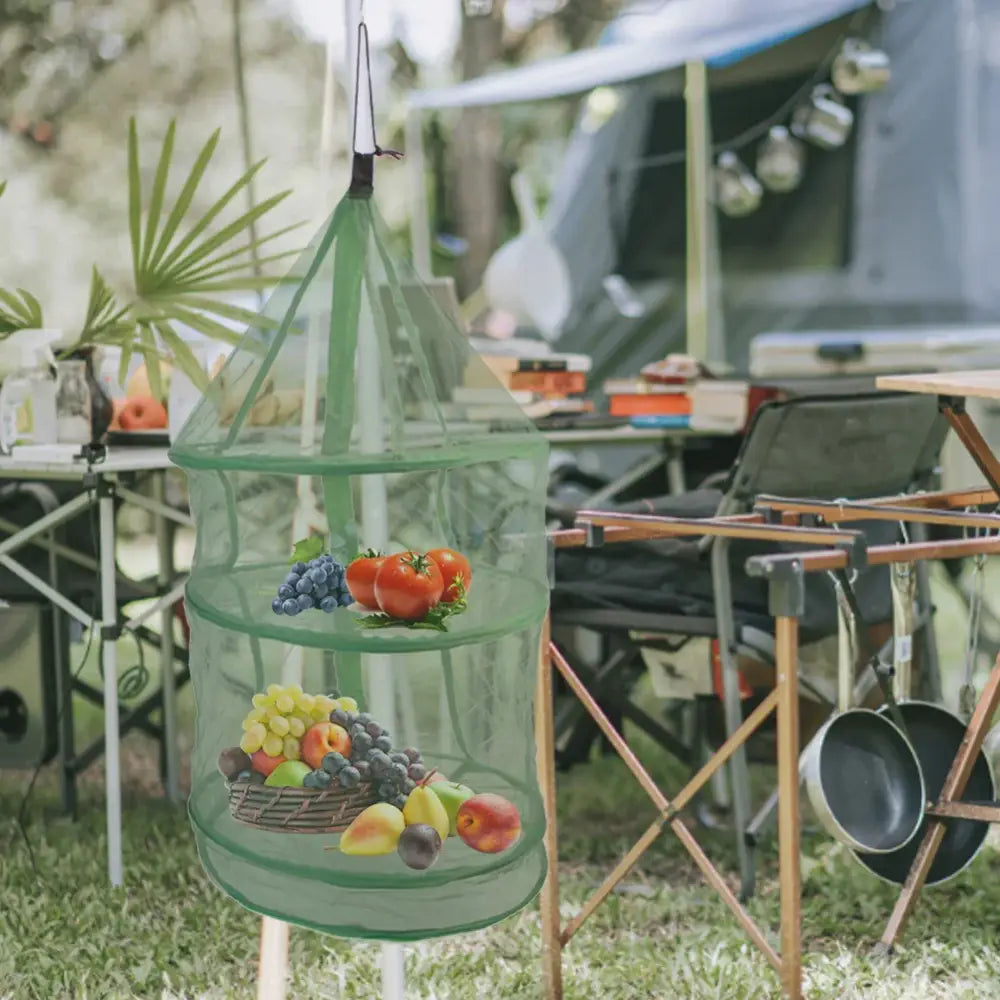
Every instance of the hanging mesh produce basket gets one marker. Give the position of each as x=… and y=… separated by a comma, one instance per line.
x=364, y=760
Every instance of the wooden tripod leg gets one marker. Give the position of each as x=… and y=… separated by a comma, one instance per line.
x=954, y=787
x=787, y=642
x=546, y=751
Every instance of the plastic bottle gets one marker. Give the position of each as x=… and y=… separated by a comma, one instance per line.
x=28, y=395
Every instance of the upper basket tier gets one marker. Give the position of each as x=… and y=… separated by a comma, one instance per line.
x=352, y=369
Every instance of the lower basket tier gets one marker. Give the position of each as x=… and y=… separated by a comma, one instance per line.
x=469, y=903
x=275, y=870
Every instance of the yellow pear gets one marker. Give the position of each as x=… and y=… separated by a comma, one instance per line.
x=374, y=831
x=423, y=806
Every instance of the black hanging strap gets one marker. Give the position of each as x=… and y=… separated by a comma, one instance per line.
x=363, y=164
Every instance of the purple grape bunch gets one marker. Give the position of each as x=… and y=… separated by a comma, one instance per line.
x=320, y=584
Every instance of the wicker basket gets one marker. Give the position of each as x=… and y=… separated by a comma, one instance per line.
x=299, y=810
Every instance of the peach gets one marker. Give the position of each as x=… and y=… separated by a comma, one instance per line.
x=264, y=763
x=142, y=413
x=488, y=823
x=321, y=739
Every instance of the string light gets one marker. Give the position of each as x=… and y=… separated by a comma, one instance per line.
x=737, y=191
x=781, y=160
x=825, y=121
x=859, y=68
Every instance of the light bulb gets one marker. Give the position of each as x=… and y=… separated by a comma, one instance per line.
x=737, y=191
x=859, y=68
x=781, y=160
x=826, y=121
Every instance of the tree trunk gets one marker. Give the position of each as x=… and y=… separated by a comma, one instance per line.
x=477, y=144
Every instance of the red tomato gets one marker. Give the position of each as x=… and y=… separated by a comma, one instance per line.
x=408, y=585
x=361, y=577
x=455, y=570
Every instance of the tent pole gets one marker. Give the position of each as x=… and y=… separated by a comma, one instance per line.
x=703, y=340
x=420, y=226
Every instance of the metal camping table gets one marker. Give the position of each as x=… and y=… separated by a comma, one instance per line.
x=101, y=482
x=671, y=453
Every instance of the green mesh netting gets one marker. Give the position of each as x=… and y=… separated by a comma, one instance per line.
x=336, y=416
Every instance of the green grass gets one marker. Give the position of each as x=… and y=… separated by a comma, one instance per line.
x=169, y=934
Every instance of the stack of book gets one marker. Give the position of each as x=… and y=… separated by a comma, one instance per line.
x=542, y=384
x=704, y=404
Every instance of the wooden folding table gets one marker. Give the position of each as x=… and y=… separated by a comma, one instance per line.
x=811, y=524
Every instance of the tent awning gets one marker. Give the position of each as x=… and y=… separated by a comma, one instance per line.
x=719, y=32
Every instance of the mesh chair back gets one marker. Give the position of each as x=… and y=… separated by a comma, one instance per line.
x=828, y=447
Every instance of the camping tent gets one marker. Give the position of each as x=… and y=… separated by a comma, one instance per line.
x=892, y=229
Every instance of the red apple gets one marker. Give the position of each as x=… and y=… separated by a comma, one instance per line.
x=488, y=823
x=324, y=738
x=260, y=762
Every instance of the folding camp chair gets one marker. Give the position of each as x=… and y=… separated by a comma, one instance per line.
x=818, y=447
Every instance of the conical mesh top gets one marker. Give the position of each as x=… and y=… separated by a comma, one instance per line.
x=352, y=368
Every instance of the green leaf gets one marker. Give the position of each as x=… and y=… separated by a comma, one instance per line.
x=158, y=194
x=151, y=354
x=22, y=312
x=247, y=283
x=174, y=258
x=184, y=199
x=134, y=199
x=203, y=266
x=3, y=187
x=216, y=307
x=182, y=356
x=197, y=321
x=33, y=309
x=309, y=548
x=123, y=364
x=103, y=320
x=434, y=620
x=224, y=235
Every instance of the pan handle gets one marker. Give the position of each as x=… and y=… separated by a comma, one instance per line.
x=883, y=671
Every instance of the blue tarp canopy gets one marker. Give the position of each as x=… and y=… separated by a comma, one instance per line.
x=648, y=38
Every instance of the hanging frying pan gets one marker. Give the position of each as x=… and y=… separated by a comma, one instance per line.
x=936, y=734
x=864, y=783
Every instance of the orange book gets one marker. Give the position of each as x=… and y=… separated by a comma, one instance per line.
x=548, y=383
x=650, y=404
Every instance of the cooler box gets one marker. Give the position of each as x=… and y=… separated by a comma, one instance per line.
x=830, y=354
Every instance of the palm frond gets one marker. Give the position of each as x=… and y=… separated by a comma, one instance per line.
x=184, y=199
x=134, y=198
x=158, y=194
x=104, y=316
x=19, y=310
x=198, y=268
x=182, y=355
x=237, y=227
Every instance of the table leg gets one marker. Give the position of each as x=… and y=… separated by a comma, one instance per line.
x=64, y=692
x=675, y=468
x=973, y=441
x=954, y=787
x=168, y=685
x=109, y=619
x=788, y=806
